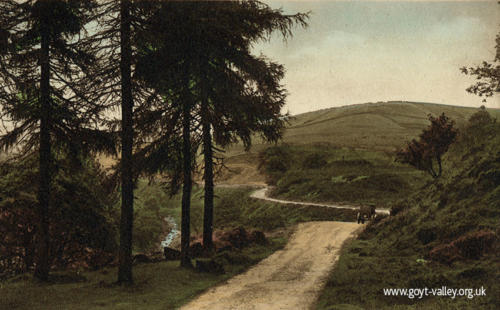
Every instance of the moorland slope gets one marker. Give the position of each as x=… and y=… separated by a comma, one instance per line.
x=377, y=126
x=380, y=126
x=443, y=234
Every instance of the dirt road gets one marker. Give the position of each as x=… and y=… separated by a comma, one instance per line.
x=288, y=279
x=261, y=193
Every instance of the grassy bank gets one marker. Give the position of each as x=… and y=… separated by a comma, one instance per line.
x=445, y=234
x=160, y=285
x=325, y=173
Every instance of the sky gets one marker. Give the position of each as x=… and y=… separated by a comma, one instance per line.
x=367, y=51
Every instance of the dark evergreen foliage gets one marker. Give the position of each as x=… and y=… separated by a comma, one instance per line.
x=43, y=66
x=230, y=92
x=66, y=64
x=115, y=41
x=82, y=228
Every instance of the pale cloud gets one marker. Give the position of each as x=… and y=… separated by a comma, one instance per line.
x=356, y=52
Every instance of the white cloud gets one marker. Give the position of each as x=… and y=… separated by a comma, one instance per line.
x=354, y=53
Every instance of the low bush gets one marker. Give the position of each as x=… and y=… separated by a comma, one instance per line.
x=82, y=224
x=273, y=162
x=473, y=273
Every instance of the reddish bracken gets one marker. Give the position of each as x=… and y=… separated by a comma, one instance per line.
x=444, y=253
x=235, y=238
x=472, y=245
x=475, y=244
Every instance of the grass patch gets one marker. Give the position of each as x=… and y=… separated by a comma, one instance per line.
x=366, y=267
x=235, y=208
x=161, y=285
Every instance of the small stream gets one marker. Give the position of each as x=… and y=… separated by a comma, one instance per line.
x=172, y=234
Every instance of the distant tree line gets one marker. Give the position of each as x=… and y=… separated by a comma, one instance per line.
x=182, y=75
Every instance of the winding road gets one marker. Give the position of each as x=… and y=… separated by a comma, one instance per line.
x=291, y=278
x=261, y=193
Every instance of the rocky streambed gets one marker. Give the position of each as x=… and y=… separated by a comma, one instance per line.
x=174, y=233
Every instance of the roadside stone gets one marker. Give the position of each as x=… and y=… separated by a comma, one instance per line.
x=257, y=237
x=171, y=254
x=237, y=237
x=226, y=248
x=196, y=250
x=141, y=258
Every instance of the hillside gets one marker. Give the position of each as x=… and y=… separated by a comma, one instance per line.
x=443, y=234
x=381, y=126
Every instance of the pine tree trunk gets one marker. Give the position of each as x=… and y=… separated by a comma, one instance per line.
x=43, y=240
x=186, y=187
x=28, y=245
x=127, y=208
x=208, y=177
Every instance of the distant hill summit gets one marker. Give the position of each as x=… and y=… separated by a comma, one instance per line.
x=380, y=126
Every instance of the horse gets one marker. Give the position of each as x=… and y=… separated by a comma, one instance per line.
x=366, y=212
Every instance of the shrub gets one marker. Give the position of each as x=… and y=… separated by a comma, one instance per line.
x=314, y=161
x=238, y=237
x=274, y=159
x=274, y=162
x=481, y=125
x=490, y=179
x=475, y=244
x=352, y=163
x=433, y=142
x=397, y=208
x=257, y=237
x=473, y=273
x=428, y=280
x=82, y=225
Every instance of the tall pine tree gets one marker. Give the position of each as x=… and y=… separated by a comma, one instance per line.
x=234, y=92
x=43, y=101
x=115, y=41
